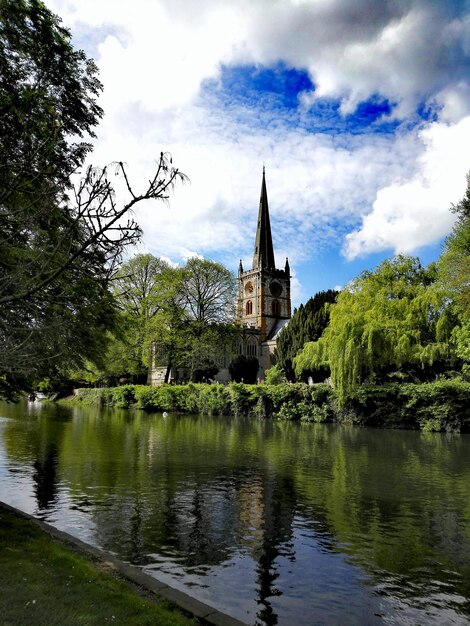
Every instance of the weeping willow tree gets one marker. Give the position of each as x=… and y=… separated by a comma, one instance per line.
x=391, y=319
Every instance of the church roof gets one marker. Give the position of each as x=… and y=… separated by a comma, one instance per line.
x=263, y=257
x=276, y=329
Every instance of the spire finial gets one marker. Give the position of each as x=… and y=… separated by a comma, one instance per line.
x=263, y=257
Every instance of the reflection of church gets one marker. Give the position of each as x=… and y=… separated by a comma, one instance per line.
x=264, y=305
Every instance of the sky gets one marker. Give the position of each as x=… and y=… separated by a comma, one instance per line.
x=359, y=110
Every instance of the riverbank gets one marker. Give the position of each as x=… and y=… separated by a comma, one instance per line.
x=44, y=582
x=49, y=578
x=441, y=406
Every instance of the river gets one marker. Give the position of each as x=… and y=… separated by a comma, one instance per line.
x=272, y=522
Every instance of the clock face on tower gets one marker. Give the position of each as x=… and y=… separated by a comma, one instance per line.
x=249, y=287
x=276, y=289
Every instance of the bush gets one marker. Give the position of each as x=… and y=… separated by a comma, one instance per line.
x=275, y=376
x=442, y=405
x=123, y=397
x=214, y=400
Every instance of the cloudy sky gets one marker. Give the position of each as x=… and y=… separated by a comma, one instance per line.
x=360, y=110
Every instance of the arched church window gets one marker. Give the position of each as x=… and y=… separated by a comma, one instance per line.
x=249, y=307
x=276, y=308
x=251, y=348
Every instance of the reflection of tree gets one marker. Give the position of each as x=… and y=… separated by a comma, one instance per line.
x=45, y=477
x=35, y=439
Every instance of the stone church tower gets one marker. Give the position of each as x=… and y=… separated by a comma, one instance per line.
x=264, y=304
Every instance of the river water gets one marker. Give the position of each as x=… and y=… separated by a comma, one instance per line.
x=271, y=522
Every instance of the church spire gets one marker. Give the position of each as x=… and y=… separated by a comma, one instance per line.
x=263, y=257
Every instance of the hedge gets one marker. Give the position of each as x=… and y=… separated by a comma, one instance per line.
x=438, y=406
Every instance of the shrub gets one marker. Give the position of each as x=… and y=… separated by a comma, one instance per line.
x=123, y=397
x=275, y=376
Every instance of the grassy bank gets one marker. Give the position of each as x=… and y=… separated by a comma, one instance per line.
x=439, y=406
x=45, y=583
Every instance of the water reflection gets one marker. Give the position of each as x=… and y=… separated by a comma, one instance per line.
x=45, y=477
x=276, y=523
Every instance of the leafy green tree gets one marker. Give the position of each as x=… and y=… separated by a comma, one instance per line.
x=208, y=291
x=205, y=330
x=307, y=324
x=144, y=290
x=59, y=245
x=454, y=269
x=392, y=319
x=171, y=316
x=454, y=264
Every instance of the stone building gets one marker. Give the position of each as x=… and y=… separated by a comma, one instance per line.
x=264, y=302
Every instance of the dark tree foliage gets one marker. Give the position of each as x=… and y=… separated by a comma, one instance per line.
x=307, y=324
x=59, y=244
x=48, y=95
x=205, y=372
x=244, y=369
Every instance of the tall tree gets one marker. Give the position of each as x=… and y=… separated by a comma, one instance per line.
x=208, y=291
x=207, y=295
x=454, y=269
x=59, y=246
x=393, y=318
x=307, y=324
x=454, y=264
x=145, y=289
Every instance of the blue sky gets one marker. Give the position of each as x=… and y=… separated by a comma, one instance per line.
x=360, y=110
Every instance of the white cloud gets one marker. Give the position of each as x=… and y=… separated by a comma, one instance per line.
x=406, y=51
x=154, y=55
x=415, y=213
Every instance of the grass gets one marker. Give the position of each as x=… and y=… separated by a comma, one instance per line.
x=45, y=583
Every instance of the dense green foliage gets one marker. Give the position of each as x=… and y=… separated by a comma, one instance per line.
x=274, y=375
x=59, y=243
x=393, y=322
x=307, y=324
x=438, y=406
x=45, y=583
x=206, y=297
x=144, y=288
x=454, y=268
x=48, y=95
x=455, y=260
x=178, y=317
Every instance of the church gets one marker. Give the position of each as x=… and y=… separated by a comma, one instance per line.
x=264, y=303
x=263, y=308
